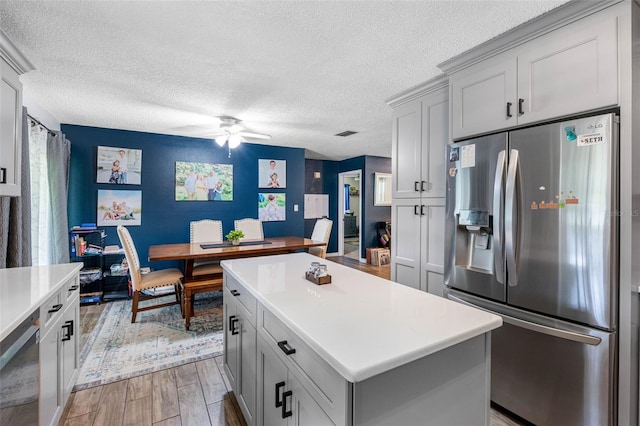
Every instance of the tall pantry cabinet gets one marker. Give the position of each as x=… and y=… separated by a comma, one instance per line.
x=12, y=65
x=420, y=134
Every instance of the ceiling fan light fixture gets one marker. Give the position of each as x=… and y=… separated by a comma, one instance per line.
x=221, y=140
x=234, y=141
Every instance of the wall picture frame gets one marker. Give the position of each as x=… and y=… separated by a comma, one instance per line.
x=116, y=165
x=272, y=206
x=119, y=207
x=203, y=182
x=272, y=173
x=382, y=187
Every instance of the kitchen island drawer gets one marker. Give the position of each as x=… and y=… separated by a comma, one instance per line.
x=321, y=380
x=242, y=296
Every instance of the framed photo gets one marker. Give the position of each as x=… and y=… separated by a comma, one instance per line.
x=119, y=165
x=272, y=174
x=272, y=207
x=204, y=182
x=119, y=207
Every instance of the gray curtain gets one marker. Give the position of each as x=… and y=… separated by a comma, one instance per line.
x=58, y=154
x=15, y=214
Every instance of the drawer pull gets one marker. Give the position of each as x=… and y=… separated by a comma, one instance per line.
x=509, y=115
x=286, y=413
x=68, y=326
x=520, y=106
x=288, y=350
x=55, y=308
x=415, y=186
x=235, y=292
x=73, y=288
x=279, y=385
x=422, y=184
x=233, y=320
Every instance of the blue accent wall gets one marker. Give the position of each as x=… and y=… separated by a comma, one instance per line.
x=165, y=220
x=326, y=184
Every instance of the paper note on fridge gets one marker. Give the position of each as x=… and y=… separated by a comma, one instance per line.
x=468, y=156
x=591, y=139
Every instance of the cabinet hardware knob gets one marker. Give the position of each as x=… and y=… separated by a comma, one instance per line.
x=520, y=106
x=55, y=308
x=235, y=292
x=509, y=115
x=286, y=413
x=288, y=350
x=279, y=385
x=233, y=320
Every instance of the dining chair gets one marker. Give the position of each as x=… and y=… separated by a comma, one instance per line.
x=151, y=280
x=201, y=231
x=321, y=232
x=252, y=229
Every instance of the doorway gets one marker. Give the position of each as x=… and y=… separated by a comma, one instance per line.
x=349, y=212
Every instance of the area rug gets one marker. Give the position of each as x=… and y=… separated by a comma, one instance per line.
x=118, y=350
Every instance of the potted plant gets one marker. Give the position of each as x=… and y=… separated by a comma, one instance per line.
x=234, y=236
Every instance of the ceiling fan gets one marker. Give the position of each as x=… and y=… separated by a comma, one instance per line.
x=233, y=133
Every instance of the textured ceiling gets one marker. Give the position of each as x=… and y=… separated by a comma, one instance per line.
x=300, y=71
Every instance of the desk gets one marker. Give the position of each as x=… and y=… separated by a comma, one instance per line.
x=190, y=252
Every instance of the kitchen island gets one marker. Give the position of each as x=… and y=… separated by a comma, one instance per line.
x=359, y=351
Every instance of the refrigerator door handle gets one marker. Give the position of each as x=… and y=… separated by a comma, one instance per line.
x=539, y=328
x=510, y=221
x=498, y=250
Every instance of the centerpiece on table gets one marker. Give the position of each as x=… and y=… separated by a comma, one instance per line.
x=234, y=236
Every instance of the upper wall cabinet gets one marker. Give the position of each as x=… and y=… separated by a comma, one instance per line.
x=419, y=136
x=12, y=64
x=570, y=70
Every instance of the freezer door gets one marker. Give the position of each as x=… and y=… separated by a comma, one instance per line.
x=560, y=220
x=474, y=248
x=548, y=371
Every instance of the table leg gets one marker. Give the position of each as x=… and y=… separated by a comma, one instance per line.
x=187, y=309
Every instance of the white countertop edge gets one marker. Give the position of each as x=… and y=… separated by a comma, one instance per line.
x=367, y=372
x=25, y=314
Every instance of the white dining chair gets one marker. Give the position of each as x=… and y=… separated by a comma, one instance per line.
x=252, y=229
x=151, y=280
x=321, y=232
x=206, y=231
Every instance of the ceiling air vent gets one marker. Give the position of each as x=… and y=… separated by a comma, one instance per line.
x=346, y=133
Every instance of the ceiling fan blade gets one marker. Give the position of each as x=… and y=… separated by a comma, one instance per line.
x=254, y=135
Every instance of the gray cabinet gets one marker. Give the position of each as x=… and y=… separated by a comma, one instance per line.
x=240, y=346
x=567, y=71
x=12, y=65
x=420, y=135
x=350, y=226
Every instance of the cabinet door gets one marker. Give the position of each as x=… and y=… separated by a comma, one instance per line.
x=70, y=347
x=10, y=131
x=405, y=252
x=569, y=71
x=406, y=141
x=304, y=409
x=246, y=394
x=231, y=342
x=483, y=97
x=432, y=251
x=272, y=383
x=50, y=401
x=435, y=138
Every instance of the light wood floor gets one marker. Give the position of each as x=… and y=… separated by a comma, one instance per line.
x=192, y=394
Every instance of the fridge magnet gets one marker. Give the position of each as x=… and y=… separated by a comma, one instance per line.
x=571, y=199
x=118, y=165
x=534, y=206
x=454, y=154
x=272, y=173
x=119, y=207
x=590, y=139
x=453, y=171
x=541, y=205
x=570, y=132
x=204, y=182
x=272, y=207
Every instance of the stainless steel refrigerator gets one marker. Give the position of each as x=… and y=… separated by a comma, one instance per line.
x=532, y=235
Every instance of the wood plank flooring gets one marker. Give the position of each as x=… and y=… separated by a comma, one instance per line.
x=197, y=393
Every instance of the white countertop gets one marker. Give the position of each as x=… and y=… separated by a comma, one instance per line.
x=23, y=290
x=360, y=324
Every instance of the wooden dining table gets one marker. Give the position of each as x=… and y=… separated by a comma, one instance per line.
x=192, y=252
